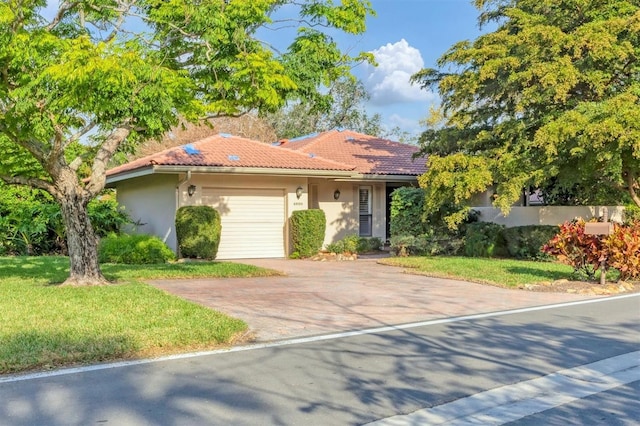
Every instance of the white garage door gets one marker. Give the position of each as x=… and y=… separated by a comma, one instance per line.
x=252, y=221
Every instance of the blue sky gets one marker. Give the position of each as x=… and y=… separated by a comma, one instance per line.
x=406, y=36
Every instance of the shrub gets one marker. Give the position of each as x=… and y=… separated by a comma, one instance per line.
x=407, y=211
x=585, y=253
x=307, y=231
x=347, y=245
x=133, y=249
x=31, y=221
x=403, y=245
x=484, y=239
x=107, y=216
x=198, y=231
x=622, y=250
x=368, y=244
x=526, y=242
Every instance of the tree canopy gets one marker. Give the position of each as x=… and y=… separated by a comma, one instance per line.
x=550, y=98
x=91, y=78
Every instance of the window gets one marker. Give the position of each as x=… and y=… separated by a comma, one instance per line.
x=366, y=222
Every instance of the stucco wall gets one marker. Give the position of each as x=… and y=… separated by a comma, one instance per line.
x=546, y=215
x=342, y=214
x=151, y=200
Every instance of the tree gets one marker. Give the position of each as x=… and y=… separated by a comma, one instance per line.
x=109, y=74
x=551, y=96
x=342, y=107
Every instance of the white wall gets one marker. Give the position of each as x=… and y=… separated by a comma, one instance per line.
x=546, y=215
x=151, y=200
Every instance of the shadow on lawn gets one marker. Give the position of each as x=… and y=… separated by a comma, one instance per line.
x=52, y=269
x=543, y=274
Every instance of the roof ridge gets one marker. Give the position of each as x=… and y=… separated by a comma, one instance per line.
x=306, y=155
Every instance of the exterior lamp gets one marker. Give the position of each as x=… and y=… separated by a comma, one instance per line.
x=191, y=190
x=336, y=194
x=299, y=192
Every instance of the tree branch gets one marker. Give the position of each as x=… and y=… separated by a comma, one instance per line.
x=632, y=183
x=65, y=6
x=31, y=182
x=102, y=158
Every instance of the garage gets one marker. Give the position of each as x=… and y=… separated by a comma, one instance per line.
x=253, y=221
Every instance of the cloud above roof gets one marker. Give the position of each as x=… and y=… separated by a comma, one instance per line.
x=389, y=82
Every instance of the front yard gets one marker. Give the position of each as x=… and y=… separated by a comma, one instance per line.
x=541, y=276
x=45, y=326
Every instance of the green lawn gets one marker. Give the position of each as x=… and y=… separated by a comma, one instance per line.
x=44, y=325
x=502, y=272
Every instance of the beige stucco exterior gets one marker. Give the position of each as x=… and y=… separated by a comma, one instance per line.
x=151, y=194
x=153, y=200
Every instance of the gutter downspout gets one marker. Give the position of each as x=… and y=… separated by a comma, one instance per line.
x=182, y=182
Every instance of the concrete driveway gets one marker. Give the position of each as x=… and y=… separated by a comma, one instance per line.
x=324, y=297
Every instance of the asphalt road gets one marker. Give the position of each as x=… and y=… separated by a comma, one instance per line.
x=349, y=380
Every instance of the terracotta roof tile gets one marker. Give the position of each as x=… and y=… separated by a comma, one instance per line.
x=369, y=154
x=232, y=151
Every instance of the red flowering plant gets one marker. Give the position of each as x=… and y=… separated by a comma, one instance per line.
x=573, y=247
x=587, y=253
x=623, y=250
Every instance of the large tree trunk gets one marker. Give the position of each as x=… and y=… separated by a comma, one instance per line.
x=82, y=243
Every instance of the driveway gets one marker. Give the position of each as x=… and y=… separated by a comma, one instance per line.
x=325, y=297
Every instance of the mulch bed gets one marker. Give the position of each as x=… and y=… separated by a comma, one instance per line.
x=582, y=287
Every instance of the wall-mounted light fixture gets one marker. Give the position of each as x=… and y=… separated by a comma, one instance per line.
x=299, y=192
x=336, y=194
x=191, y=190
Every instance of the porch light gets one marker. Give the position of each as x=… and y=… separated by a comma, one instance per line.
x=299, y=192
x=336, y=194
x=191, y=190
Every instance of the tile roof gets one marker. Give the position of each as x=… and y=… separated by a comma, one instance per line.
x=231, y=151
x=368, y=154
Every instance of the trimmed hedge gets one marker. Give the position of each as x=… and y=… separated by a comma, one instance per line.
x=307, y=232
x=525, y=242
x=133, y=249
x=484, y=239
x=198, y=231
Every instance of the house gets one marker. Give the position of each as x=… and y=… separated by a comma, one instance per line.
x=256, y=186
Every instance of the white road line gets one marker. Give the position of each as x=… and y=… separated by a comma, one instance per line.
x=301, y=340
x=509, y=403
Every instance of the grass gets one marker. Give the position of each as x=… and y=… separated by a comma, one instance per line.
x=501, y=272
x=45, y=326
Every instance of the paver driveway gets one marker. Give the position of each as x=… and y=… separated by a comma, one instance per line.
x=324, y=297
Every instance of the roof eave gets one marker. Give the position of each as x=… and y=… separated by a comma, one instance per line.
x=380, y=177
x=159, y=169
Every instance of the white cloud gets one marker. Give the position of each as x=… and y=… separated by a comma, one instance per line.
x=388, y=83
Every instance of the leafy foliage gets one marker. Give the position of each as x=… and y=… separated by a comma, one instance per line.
x=549, y=98
x=136, y=249
x=307, y=231
x=78, y=85
x=369, y=244
x=407, y=211
x=620, y=250
x=526, y=242
x=485, y=239
x=31, y=222
x=347, y=245
x=198, y=231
